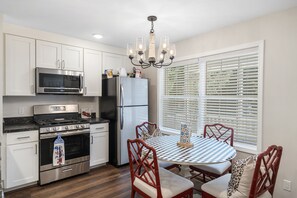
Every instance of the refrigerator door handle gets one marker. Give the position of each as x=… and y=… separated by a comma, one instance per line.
x=122, y=118
x=122, y=95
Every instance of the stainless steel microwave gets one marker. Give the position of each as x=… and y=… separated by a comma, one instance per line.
x=56, y=81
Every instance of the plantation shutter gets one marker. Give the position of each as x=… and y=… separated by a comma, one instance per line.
x=180, y=95
x=231, y=93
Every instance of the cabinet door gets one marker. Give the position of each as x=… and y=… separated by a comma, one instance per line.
x=19, y=66
x=113, y=61
x=98, y=148
x=21, y=164
x=48, y=55
x=92, y=72
x=72, y=58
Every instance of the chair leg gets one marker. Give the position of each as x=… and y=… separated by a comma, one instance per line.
x=132, y=193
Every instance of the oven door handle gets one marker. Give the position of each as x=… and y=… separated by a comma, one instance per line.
x=63, y=134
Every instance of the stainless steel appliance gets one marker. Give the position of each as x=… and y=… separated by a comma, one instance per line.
x=56, y=81
x=124, y=102
x=64, y=120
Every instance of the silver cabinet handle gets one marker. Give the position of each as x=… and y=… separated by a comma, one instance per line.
x=24, y=137
x=92, y=139
x=85, y=90
x=63, y=64
x=67, y=170
x=99, y=128
x=58, y=64
x=36, y=149
x=32, y=89
x=80, y=82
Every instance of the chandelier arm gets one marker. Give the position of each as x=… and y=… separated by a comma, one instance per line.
x=140, y=65
x=160, y=64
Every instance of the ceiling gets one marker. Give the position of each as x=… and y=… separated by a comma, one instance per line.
x=122, y=21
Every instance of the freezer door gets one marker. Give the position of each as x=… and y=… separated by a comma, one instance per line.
x=132, y=91
x=129, y=117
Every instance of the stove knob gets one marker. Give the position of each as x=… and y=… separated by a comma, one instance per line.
x=48, y=129
x=66, y=127
x=82, y=126
x=77, y=126
x=55, y=128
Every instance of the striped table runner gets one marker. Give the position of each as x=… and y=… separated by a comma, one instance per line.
x=204, y=151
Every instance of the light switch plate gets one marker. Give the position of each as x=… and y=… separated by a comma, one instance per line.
x=287, y=185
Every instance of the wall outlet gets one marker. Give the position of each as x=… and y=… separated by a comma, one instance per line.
x=21, y=110
x=287, y=185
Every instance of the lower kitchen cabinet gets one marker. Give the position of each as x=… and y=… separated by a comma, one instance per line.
x=21, y=159
x=99, y=144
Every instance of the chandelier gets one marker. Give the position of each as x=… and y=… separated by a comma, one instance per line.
x=165, y=55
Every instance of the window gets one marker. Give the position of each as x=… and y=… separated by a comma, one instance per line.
x=180, y=95
x=222, y=88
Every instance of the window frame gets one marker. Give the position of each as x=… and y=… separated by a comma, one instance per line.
x=239, y=146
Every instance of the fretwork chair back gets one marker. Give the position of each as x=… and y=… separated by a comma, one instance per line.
x=149, y=127
x=150, y=180
x=145, y=127
x=211, y=171
x=263, y=180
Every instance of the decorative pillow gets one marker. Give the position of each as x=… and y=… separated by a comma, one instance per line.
x=241, y=177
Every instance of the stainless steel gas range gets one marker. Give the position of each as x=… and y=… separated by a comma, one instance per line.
x=64, y=120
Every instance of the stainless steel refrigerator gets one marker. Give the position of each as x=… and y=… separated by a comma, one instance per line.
x=124, y=102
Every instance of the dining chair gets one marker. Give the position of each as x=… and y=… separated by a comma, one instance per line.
x=211, y=171
x=149, y=128
x=261, y=184
x=150, y=180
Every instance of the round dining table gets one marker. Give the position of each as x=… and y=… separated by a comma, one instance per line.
x=204, y=151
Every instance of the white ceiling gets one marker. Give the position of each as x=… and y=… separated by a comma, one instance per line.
x=122, y=21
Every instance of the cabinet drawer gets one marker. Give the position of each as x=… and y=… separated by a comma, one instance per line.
x=99, y=127
x=22, y=137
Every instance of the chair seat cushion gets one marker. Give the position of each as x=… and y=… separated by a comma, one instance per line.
x=215, y=168
x=218, y=188
x=171, y=184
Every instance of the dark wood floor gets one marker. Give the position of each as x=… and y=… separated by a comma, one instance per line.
x=106, y=181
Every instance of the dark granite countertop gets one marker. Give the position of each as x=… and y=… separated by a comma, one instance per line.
x=96, y=120
x=19, y=124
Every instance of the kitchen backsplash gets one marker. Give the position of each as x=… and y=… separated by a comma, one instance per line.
x=14, y=106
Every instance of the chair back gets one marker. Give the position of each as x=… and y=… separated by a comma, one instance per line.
x=219, y=132
x=266, y=169
x=143, y=164
x=145, y=127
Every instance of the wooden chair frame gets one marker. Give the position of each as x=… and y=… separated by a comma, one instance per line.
x=217, y=131
x=144, y=166
x=265, y=173
x=147, y=126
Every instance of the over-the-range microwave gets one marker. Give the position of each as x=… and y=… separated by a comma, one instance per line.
x=56, y=81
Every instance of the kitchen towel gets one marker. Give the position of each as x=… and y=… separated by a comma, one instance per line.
x=59, y=152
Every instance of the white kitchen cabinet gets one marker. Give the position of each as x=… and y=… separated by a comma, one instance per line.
x=57, y=56
x=99, y=144
x=48, y=55
x=92, y=72
x=115, y=62
x=21, y=158
x=19, y=66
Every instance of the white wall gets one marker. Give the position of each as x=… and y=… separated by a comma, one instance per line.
x=12, y=104
x=279, y=30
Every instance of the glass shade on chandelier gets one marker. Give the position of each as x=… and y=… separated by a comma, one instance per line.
x=138, y=51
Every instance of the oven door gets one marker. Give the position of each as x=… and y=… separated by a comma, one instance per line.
x=54, y=81
x=76, y=143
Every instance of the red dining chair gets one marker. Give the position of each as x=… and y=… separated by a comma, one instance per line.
x=263, y=180
x=211, y=171
x=150, y=180
x=148, y=127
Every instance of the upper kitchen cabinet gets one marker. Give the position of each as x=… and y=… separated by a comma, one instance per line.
x=58, y=56
x=19, y=66
x=115, y=62
x=92, y=72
